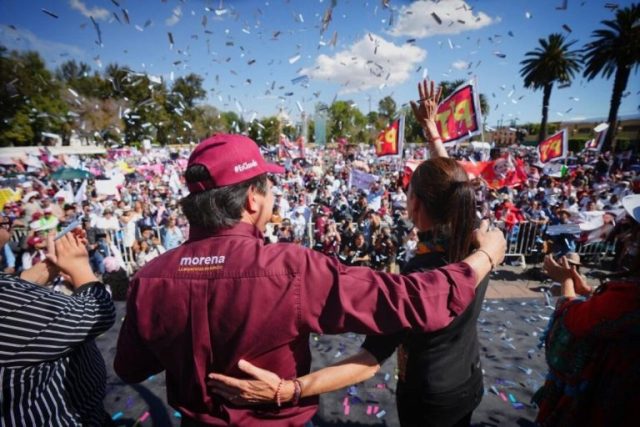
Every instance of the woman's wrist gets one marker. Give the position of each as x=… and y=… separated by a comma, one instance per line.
x=287, y=391
x=82, y=276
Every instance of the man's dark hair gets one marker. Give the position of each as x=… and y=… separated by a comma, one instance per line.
x=218, y=208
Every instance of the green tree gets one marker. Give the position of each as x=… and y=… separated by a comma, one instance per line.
x=552, y=61
x=78, y=77
x=232, y=122
x=265, y=131
x=190, y=88
x=30, y=99
x=387, y=107
x=615, y=50
x=346, y=120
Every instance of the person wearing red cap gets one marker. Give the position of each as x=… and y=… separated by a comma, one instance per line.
x=224, y=295
x=35, y=253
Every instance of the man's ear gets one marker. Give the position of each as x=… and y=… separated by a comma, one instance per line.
x=251, y=204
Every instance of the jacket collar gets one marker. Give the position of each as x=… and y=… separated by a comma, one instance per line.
x=240, y=229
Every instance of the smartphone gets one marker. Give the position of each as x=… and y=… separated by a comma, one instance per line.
x=73, y=225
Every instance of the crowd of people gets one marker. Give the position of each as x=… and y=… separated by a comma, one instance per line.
x=306, y=229
x=315, y=206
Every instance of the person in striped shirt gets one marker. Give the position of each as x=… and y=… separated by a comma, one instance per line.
x=51, y=371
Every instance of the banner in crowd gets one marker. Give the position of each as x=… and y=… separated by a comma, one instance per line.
x=555, y=147
x=106, y=187
x=502, y=172
x=596, y=143
x=459, y=115
x=361, y=180
x=8, y=195
x=390, y=140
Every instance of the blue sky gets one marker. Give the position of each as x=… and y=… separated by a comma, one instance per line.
x=250, y=51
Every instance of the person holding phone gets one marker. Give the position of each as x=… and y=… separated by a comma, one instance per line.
x=592, y=343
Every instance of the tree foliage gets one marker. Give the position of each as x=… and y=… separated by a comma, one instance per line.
x=553, y=61
x=614, y=50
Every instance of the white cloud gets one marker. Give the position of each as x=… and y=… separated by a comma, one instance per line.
x=369, y=63
x=176, y=14
x=460, y=65
x=416, y=20
x=96, y=12
x=22, y=39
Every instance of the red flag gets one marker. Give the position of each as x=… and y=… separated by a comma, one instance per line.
x=388, y=143
x=502, y=172
x=409, y=166
x=554, y=148
x=459, y=115
x=473, y=169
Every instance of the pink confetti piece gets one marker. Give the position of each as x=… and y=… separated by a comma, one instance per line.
x=144, y=417
x=503, y=396
x=369, y=409
x=375, y=409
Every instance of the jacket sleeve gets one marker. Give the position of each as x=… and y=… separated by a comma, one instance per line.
x=39, y=325
x=335, y=298
x=133, y=362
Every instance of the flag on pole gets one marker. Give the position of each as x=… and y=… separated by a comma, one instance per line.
x=81, y=194
x=554, y=148
x=459, y=116
x=595, y=144
x=390, y=140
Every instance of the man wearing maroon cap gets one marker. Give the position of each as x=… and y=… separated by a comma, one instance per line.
x=223, y=295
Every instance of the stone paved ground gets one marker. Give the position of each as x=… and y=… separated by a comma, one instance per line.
x=515, y=314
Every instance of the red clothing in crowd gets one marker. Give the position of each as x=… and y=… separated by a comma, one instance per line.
x=224, y=296
x=592, y=349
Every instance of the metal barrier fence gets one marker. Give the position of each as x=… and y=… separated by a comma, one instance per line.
x=523, y=240
x=596, y=250
x=125, y=253
x=526, y=239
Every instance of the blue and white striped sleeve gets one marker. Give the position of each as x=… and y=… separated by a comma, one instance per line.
x=38, y=325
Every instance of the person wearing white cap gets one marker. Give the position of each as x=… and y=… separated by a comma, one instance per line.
x=593, y=344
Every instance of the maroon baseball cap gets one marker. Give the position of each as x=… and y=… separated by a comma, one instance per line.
x=230, y=159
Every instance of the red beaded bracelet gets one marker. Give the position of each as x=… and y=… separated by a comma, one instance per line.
x=297, y=391
x=278, y=396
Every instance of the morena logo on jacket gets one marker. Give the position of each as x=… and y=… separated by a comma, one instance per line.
x=201, y=260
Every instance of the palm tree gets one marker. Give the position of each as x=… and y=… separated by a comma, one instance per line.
x=615, y=49
x=552, y=61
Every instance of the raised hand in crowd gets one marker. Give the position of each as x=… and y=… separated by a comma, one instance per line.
x=425, y=111
x=72, y=259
